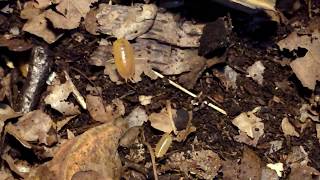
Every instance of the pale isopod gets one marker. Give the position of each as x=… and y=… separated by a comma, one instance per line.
x=163, y=145
x=123, y=54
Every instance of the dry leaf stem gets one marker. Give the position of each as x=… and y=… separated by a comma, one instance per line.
x=153, y=158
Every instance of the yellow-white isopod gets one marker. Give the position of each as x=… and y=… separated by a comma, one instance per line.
x=123, y=55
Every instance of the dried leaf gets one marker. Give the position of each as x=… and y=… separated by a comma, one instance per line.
x=101, y=55
x=6, y=112
x=268, y=174
x=275, y=146
x=182, y=135
x=126, y=22
x=166, y=29
x=29, y=10
x=5, y=174
x=70, y=134
x=150, y=55
x=278, y=167
x=90, y=22
x=231, y=77
x=97, y=109
x=255, y=71
x=305, y=114
x=117, y=107
x=33, y=126
x=318, y=131
x=69, y=13
x=230, y=169
x=75, y=92
x=59, y=94
x=189, y=79
x=287, y=128
x=250, y=124
x=204, y=164
x=57, y=99
x=250, y=167
x=95, y=150
x=162, y=121
x=15, y=44
x=60, y=124
x=137, y=117
x=130, y=136
x=167, y=59
x=297, y=156
x=244, y=138
x=306, y=68
x=42, y=4
x=38, y=26
x=305, y=172
x=5, y=90
x=21, y=168
x=145, y=100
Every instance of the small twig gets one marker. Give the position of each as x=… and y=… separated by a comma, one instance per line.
x=176, y=85
x=191, y=94
x=169, y=110
x=153, y=158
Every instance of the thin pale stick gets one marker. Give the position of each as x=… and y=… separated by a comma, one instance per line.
x=191, y=94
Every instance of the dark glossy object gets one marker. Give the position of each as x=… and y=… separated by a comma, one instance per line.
x=38, y=73
x=170, y=3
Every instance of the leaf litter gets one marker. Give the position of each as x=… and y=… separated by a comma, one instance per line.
x=76, y=128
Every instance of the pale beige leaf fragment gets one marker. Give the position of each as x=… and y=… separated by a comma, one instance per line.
x=33, y=126
x=97, y=109
x=307, y=67
x=38, y=26
x=249, y=123
x=278, y=167
x=30, y=10
x=255, y=71
x=57, y=99
x=145, y=100
x=162, y=121
x=69, y=13
x=137, y=117
x=288, y=129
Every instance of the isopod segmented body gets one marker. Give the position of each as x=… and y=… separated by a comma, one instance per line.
x=123, y=55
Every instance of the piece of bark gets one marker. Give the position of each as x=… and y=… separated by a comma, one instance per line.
x=214, y=37
x=166, y=29
x=126, y=22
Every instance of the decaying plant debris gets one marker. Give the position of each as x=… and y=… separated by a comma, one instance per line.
x=221, y=89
